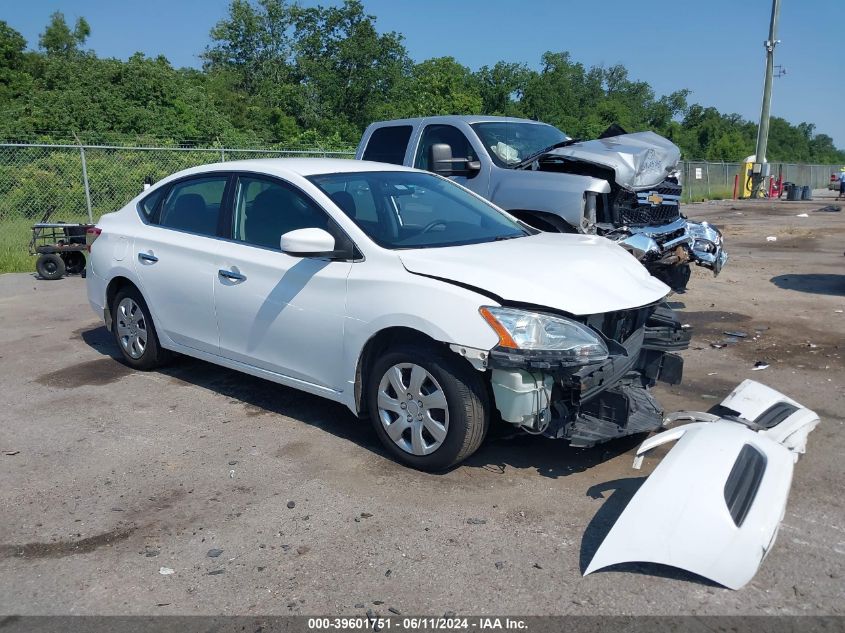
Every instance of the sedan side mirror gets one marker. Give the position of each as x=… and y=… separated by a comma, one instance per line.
x=308, y=243
x=441, y=162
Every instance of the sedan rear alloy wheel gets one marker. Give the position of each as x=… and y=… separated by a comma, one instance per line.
x=412, y=408
x=131, y=325
x=135, y=332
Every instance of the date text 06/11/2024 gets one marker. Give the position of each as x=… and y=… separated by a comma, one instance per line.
x=417, y=623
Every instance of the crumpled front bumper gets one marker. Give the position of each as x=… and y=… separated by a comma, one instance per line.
x=677, y=243
x=714, y=504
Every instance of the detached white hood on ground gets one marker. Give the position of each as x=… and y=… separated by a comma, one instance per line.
x=713, y=506
x=579, y=274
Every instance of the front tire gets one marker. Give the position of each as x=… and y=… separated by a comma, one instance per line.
x=134, y=331
x=429, y=410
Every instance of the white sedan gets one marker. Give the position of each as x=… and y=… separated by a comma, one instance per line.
x=397, y=292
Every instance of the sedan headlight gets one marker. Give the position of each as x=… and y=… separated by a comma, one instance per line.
x=532, y=331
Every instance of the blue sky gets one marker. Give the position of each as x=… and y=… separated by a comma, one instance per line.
x=712, y=47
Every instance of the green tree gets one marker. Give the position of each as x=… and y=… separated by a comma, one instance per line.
x=435, y=87
x=254, y=43
x=346, y=67
x=59, y=39
x=502, y=87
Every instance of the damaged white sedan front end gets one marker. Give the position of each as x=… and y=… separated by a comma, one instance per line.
x=713, y=506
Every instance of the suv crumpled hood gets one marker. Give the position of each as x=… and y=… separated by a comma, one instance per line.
x=578, y=274
x=640, y=160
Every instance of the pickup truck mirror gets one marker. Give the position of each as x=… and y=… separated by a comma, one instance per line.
x=441, y=162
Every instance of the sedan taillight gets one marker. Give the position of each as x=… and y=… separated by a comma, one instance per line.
x=91, y=235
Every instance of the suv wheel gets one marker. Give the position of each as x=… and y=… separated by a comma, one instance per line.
x=429, y=410
x=135, y=332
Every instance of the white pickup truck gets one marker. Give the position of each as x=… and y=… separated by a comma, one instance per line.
x=621, y=186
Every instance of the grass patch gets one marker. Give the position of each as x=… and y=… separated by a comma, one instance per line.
x=14, y=246
x=699, y=193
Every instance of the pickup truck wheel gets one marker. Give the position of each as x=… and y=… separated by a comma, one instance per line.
x=430, y=411
x=135, y=332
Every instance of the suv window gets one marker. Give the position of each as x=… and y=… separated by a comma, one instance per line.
x=387, y=144
x=266, y=209
x=432, y=134
x=194, y=205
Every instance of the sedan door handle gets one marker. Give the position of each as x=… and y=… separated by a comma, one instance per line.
x=231, y=275
x=147, y=257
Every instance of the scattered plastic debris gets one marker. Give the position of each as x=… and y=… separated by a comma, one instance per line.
x=717, y=345
x=736, y=334
x=802, y=215
x=712, y=373
x=166, y=571
x=13, y=453
x=214, y=553
x=772, y=238
x=685, y=326
x=760, y=365
x=231, y=474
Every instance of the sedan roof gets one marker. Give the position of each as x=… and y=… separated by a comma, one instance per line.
x=296, y=166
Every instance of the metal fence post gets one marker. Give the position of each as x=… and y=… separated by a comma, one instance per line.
x=85, y=180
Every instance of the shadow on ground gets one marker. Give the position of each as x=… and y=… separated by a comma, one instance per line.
x=503, y=449
x=822, y=284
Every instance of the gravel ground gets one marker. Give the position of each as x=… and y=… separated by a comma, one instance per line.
x=265, y=500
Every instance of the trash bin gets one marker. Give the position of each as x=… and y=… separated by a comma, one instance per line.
x=806, y=193
x=793, y=193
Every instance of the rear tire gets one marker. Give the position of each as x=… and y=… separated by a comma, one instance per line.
x=429, y=410
x=74, y=262
x=50, y=266
x=134, y=331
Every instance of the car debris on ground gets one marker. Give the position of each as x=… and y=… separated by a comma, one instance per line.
x=714, y=504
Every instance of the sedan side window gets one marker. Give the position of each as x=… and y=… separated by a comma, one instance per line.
x=267, y=209
x=194, y=205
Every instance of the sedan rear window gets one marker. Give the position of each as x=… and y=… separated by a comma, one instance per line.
x=400, y=210
x=194, y=205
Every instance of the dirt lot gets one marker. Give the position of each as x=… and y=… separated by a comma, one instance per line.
x=109, y=474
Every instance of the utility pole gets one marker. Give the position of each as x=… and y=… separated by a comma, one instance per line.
x=765, y=110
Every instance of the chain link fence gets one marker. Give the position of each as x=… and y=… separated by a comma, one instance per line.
x=707, y=180
x=81, y=181
x=78, y=182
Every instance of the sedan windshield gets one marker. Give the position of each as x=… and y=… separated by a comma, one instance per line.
x=509, y=143
x=400, y=210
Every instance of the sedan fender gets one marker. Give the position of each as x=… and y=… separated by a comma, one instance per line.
x=713, y=506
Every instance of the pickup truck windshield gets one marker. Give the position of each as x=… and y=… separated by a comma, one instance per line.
x=400, y=210
x=509, y=143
